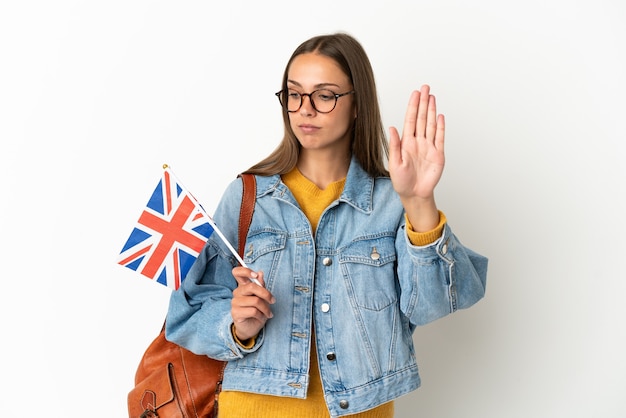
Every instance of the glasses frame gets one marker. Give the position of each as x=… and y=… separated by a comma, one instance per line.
x=279, y=94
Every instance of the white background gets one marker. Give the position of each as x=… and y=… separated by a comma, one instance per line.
x=96, y=96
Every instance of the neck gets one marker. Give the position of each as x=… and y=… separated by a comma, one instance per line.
x=323, y=168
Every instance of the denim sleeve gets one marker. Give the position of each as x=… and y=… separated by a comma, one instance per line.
x=198, y=316
x=439, y=278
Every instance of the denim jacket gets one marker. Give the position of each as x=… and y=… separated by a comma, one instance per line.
x=359, y=283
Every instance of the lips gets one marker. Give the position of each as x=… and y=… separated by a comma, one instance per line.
x=308, y=129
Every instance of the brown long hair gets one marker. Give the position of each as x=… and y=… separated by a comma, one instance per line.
x=369, y=144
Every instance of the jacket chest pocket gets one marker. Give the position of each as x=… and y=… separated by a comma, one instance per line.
x=369, y=269
x=263, y=250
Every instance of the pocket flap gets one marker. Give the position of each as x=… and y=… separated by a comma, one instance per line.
x=153, y=392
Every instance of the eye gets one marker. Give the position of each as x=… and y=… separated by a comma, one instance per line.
x=293, y=94
x=325, y=95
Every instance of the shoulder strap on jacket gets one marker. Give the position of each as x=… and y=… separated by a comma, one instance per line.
x=248, y=201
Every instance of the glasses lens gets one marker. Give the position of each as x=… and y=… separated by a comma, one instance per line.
x=323, y=100
x=292, y=100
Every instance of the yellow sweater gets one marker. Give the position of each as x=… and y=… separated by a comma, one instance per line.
x=312, y=201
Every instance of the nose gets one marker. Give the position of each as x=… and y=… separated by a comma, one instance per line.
x=306, y=108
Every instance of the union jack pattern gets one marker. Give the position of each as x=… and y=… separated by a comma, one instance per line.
x=169, y=234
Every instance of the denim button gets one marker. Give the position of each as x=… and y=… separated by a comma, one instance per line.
x=325, y=307
x=331, y=356
x=327, y=261
x=344, y=404
x=444, y=248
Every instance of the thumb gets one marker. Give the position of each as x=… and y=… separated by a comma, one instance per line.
x=244, y=275
x=394, y=146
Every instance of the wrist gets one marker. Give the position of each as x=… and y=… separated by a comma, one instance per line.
x=246, y=343
x=422, y=213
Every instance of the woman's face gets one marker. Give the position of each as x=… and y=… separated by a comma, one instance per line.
x=316, y=130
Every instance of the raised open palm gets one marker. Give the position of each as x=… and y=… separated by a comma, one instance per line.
x=417, y=159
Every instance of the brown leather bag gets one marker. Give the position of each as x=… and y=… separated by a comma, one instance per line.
x=172, y=382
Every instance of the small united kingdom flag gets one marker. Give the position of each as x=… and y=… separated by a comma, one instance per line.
x=169, y=234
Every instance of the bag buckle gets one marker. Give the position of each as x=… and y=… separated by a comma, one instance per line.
x=148, y=413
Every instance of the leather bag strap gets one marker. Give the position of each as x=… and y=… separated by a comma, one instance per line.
x=248, y=201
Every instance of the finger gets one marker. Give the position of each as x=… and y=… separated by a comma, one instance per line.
x=410, y=117
x=244, y=275
x=431, y=121
x=245, y=287
x=250, y=307
x=422, y=111
x=441, y=132
x=261, y=291
x=395, y=156
x=253, y=290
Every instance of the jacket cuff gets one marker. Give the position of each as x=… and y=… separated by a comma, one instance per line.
x=247, y=344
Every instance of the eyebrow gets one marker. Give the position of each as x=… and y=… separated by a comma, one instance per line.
x=317, y=86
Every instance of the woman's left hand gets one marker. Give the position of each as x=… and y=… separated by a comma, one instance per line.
x=416, y=161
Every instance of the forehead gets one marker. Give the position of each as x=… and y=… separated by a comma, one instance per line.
x=313, y=69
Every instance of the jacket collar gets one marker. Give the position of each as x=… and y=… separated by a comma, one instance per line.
x=358, y=190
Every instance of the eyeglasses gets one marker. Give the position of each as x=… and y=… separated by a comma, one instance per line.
x=323, y=101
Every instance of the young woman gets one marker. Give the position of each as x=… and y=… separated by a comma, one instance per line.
x=350, y=257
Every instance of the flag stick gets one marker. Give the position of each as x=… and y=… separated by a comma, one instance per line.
x=230, y=247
